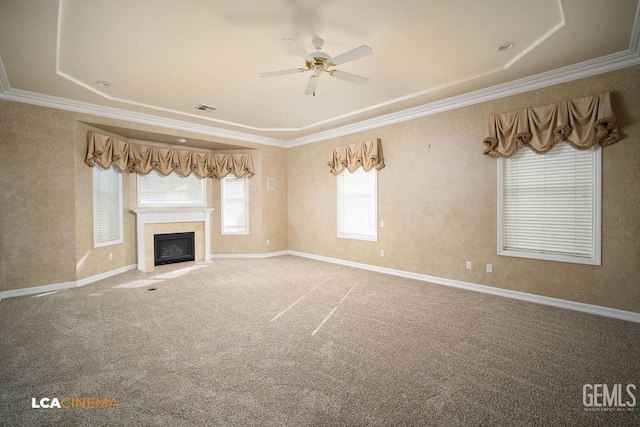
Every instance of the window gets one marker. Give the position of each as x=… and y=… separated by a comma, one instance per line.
x=107, y=206
x=358, y=205
x=156, y=189
x=235, y=205
x=549, y=205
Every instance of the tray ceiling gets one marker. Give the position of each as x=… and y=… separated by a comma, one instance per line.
x=164, y=58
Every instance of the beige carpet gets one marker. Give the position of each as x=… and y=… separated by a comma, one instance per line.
x=289, y=341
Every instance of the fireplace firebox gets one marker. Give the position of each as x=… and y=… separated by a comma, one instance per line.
x=174, y=247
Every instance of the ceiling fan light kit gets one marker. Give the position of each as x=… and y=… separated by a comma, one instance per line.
x=320, y=62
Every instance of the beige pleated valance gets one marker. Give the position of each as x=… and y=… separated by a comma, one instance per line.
x=581, y=122
x=141, y=159
x=367, y=154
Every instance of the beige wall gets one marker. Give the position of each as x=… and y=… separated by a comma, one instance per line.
x=46, y=204
x=437, y=196
x=274, y=202
x=37, y=209
x=267, y=209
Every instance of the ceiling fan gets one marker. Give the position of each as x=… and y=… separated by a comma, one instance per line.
x=320, y=62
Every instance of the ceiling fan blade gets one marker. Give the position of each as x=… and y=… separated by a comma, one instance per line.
x=298, y=49
x=352, y=78
x=312, y=85
x=282, y=72
x=359, y=52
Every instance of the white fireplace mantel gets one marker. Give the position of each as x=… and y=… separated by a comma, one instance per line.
x=167, y=215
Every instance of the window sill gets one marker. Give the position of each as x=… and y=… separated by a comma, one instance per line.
x=551, y=257
x=356, y=237
x=109, y=243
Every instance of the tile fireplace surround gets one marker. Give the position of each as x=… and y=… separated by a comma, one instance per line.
x=168, y=216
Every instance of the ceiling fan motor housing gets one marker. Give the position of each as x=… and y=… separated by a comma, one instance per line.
x=322, y=62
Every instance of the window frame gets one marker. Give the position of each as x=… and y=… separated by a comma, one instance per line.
x=244, y=232
x=596, y=254
x=120, y=217
x=339, y=205
x=139, y=178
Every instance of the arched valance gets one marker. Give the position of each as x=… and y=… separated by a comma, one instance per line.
x=367, y=154
x=141, y=159
x=581, y=122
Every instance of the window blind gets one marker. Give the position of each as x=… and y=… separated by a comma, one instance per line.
x=156, y=189
x=549, y=202
x=357, y=205
x=235, y=205
x=107, y=206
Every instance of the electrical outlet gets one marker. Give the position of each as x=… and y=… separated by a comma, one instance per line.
x=468, y=265
x=381, y=252
x=110, y=255
x=268, y=242
x=489, y=268
x=381, y=224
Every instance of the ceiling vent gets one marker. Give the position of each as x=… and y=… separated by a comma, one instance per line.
x=205, y=107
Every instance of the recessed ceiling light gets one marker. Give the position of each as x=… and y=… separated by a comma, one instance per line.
x=182, y=140
x=104, y=83
x=506, y=46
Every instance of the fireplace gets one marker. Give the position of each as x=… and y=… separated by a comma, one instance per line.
x=169, y=220
x=174, y=247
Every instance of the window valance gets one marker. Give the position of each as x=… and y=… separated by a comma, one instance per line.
x=581, y=123
x=367, y=154
x=141, y=159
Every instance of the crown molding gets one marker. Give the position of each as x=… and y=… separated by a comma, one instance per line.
x=18, y=95
x=612, y=62
x=604, y=64
x=578, y=71
x=306, y=128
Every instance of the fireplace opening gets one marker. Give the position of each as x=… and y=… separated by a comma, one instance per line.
x=174, y=247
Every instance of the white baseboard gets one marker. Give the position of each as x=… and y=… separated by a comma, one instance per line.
x=539, y=299
x=106, y=275
x=37, y=289
x=65, y=285
x=248, y=256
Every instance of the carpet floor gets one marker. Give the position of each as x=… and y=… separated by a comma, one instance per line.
x=289, y=341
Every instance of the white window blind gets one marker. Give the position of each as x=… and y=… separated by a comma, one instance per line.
x=235, y=205
x=156, y=189
x=107, y=206
x=358, y=205
x=550, y=205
